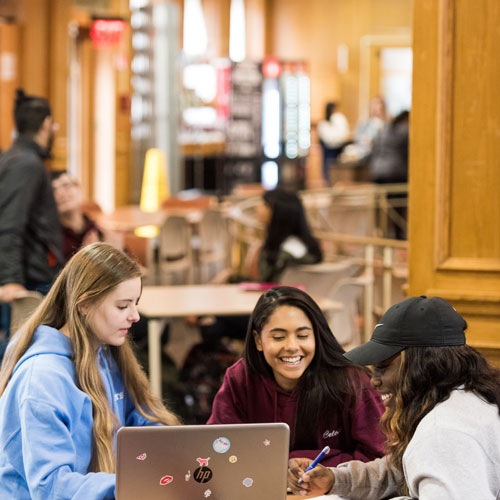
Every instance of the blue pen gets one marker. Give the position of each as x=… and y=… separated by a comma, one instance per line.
x=315, y=462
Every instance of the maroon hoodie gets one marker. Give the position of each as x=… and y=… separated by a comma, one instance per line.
x=252, y=398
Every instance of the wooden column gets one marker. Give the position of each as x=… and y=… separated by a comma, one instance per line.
x=58, y=77
x=454, y=154
x=34, y=64
x=216, y=13
x=9, y=80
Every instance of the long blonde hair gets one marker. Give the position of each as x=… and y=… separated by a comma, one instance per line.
x=88, y=277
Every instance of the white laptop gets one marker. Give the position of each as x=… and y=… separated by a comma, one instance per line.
x=196, y=462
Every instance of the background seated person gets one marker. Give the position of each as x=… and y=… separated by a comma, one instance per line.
x=442, y=418
x=365, y=134
x=288, y=242
x=294, y=371
x=78, y=229
x=288, y=239
x=333, y=134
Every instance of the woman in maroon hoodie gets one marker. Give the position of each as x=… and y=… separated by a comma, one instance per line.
x=294, y=371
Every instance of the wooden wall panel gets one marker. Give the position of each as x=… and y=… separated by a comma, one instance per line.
x=454, y=211
x=9, y=80
x=34, y=67
x=216, y=14
x=58, y=77
x=473, y=106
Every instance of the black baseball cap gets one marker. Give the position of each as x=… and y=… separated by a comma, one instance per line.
x=414, y=322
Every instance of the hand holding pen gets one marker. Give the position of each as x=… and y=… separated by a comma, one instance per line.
x=316, y=461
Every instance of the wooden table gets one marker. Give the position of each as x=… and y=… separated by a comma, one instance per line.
x=127, y=218
x=162, y=302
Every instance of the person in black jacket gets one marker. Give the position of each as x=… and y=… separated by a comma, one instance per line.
x=30, y=233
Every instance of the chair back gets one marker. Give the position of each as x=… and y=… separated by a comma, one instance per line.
x=353, y=212
x=22, y=307
x=214, y=243
x=345, y=324
x=174, y=252
x=319, y=279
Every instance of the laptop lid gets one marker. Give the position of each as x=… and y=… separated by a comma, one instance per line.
x=195, y=462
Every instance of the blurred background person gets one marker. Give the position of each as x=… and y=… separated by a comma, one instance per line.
x=30, y=232
x=333, y=134
x=365, y=134
x=31, y=252
x=78, y=229
x=289, y=241
x=389, y=163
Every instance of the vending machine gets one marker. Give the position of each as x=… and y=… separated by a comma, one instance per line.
x=286, y=122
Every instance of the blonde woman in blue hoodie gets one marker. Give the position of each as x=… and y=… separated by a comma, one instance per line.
x=70, y=380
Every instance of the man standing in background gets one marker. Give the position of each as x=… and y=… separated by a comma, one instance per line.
x=30, y=232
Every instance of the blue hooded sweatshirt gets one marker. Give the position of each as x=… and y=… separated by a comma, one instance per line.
x=46, y=424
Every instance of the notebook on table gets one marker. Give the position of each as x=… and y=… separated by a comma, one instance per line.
x=196, y=462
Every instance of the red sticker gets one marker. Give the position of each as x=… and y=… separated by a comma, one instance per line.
x=166, y=480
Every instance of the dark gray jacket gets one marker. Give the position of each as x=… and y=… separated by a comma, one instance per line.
x=30, y=232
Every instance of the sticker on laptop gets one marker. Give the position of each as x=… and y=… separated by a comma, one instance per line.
x=221, y=445
x=202, y=474
x=187, y=477
x=248, y=481
x=142, y=456
x=203, y=461
x=266, y=442
x=166, y=480
x=233, y=459
x=207, y=493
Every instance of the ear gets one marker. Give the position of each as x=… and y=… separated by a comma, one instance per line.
x=83, y=308
x=258, y=340
x=46, y=124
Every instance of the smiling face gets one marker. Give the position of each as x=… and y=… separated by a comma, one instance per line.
x=385, y=376
x=67, y=193
x=111, y=319
x=288, y=344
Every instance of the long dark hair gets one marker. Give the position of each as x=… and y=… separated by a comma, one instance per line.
x=443, y=369
x=330, y=378
x=288, y=218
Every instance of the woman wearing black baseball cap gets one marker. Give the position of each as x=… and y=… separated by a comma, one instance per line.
x=442, y=418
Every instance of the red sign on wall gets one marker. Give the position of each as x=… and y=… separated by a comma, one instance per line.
x=107, y=32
